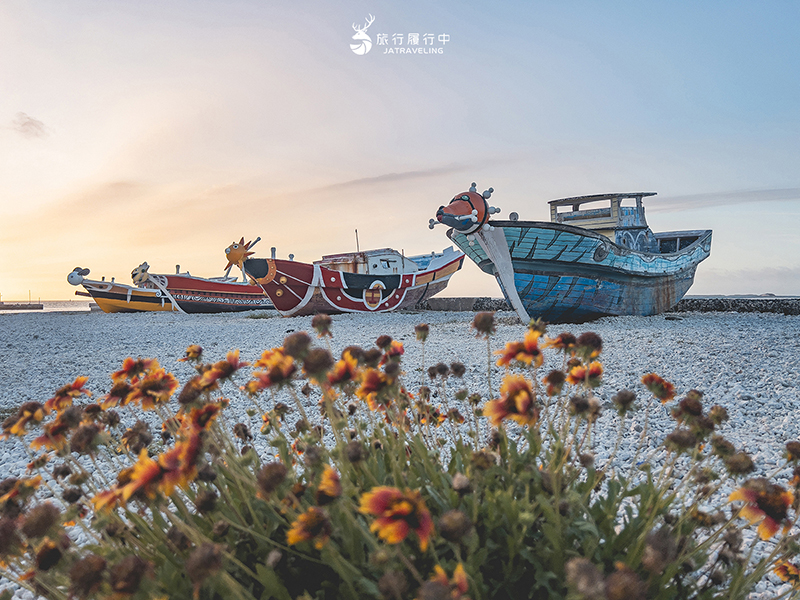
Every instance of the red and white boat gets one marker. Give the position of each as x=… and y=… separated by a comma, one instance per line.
x=181, y=292
x=368, y=281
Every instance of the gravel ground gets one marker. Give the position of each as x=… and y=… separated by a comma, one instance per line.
x=748, y=363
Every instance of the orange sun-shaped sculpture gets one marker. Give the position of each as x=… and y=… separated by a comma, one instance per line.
x=237, y=252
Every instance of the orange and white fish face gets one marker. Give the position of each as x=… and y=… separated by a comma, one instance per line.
x=237, y=252
x=466, y=213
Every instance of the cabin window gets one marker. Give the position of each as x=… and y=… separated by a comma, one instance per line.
x=668, y=245
x=686, y=242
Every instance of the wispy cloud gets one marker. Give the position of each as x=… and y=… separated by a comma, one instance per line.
x=391, y=178
x=687, y=202
x=29, y=127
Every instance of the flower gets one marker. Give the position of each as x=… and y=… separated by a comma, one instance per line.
x=329, y=487
x=590, y=375
x=193, y=353
x=29, y=411
x=155, y=388
x=660, y=388
x=269, y=478
x=310, y=525
x=133, y=369
x=457, y=586
x=145, y=477
x=766, y=502
x=422, y=330
x=392, y=353
x=86, y=575
x=516, y=402
x=397, y=514
x=565, y=342
x=526, y=352
x=65, y=394
x=373, y=382
x=317, y=363
x=344, y=370
x=278, y=370
x=222, y=369
x=554, y=381
x=788, y=572
x=588, y=345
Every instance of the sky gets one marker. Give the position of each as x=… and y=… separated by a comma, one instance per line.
x=164, y=131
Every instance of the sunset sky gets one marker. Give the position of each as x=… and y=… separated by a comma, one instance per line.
x=163, y=131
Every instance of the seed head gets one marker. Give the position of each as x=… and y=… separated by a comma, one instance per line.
x=296, y=344
x=40, y=519
x=422, y=331
x=454, y=525
x=126, y=576
x=483, y=324
x=321, y=323
x=86, y=575
x=585, y=578
x=383, y=342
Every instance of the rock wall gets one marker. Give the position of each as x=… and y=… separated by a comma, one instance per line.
x=786, y=306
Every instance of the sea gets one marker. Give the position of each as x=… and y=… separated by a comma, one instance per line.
x=51, y=306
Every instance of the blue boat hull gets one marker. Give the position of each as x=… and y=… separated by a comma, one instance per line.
x=563, y=273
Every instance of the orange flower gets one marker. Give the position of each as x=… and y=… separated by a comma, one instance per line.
x=133, y=369
x=193, y=352
x=516, y=402
x=107, y=500
x=22, y=489
x=393, y=352
x=118, y=396
x=145, y=476
x=29, y=411
x=788, y=572
x=554, y=381
x=54, y=437
x=526, y=352
x=344, y=370
x=458, y=585
x=329, y=488
x=590, y=375
x=311, y=525
x=564, y=342
x=64, y=395
x=179, y=464
x=397, y=514
x=223, y=369
x=278, y=370
x=766, y=502
x=373, y=382
x=203, y=417
x=661, y=389
x=156, y=388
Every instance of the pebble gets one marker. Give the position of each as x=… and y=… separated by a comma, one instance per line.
x=747, y=362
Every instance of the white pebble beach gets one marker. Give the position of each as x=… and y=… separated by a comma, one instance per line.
x=747, y=362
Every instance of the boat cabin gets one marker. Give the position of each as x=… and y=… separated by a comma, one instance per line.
x=621, y=219
x=385, y=261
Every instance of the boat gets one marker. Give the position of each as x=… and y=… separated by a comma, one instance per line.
x=179, y=292
x=586, y=263
x=365, y=281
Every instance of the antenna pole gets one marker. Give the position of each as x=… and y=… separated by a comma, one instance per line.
x=357, y=248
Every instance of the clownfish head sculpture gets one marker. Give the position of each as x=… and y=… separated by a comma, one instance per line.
x=238, y=252
x=467, y=212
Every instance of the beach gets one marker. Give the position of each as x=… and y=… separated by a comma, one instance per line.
x=747, y=362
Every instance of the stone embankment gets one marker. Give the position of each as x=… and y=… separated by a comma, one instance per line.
x=786, y=306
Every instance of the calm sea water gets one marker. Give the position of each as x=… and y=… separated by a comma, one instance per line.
x=54, y=306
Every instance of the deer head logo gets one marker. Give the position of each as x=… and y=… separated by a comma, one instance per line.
x=363, y=41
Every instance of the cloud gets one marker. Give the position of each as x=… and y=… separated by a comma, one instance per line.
x=687, y=202
x=391, y=178
x=29, y=127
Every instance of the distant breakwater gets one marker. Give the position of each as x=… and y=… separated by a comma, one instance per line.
x=786, y=306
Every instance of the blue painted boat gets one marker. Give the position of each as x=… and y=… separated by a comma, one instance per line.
x=584, y=263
